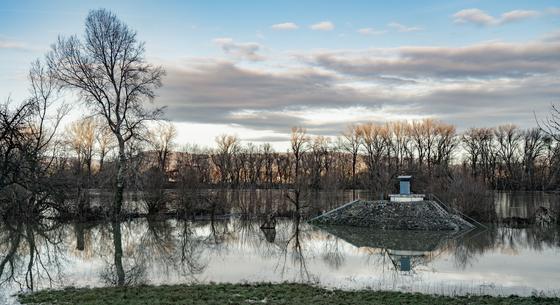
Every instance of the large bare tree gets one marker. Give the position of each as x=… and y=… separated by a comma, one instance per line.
x=108, y=70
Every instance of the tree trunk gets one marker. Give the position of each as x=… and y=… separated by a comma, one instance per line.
x=117, y=243
x=121, y=163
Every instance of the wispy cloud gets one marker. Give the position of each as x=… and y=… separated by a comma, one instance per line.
x=403, y=28
x=479, y=17
x=552, y=36
x=246, y=50
x=553, y=10
x=323, y=26
x=370, y=31
x=480, y=61
x=285, y=26
x=9, y=44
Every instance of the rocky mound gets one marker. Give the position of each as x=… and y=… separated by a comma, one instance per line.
x=420, y=215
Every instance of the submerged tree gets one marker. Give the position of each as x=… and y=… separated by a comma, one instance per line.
x=108, y=70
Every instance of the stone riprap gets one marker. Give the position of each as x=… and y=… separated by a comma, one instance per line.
x=383, y=214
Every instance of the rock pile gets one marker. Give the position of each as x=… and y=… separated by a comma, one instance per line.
x=382, y=214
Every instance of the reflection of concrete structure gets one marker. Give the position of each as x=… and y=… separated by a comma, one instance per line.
x=269, y=234
x=406, y=249
x=402, y=258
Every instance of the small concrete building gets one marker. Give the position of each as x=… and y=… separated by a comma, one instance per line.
x=405, y=195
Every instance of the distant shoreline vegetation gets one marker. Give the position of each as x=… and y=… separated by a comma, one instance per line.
x=285, y=293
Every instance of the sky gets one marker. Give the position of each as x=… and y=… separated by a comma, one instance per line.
x=257, y=68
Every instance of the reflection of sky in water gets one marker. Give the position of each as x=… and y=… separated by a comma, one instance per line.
x=498, y=261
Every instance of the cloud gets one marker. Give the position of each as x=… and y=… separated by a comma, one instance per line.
x=476, y=61
x=552, y=36
x=248, y=51
x=8, y=44
x=517, y=15
x=328, y=90
x=553, y=10
x=322, y=26
x=473, y=15
x=220, y=92
x=285, y=26
x=481, y=18
x=370, y=31
x=402, y=28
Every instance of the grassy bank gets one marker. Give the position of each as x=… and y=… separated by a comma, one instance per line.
x=256, y=294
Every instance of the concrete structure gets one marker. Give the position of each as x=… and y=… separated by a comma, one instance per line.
x=405, y=195
x=404, y=184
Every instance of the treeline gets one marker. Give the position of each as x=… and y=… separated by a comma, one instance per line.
x=366, y=156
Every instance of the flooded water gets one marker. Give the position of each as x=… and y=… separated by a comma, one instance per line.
x=497, y=261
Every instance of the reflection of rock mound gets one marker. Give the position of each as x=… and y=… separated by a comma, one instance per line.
x=422, y=241
x=405, y=249
x=382, y=214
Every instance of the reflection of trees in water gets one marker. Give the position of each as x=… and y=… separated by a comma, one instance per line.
x=31, y=253
x=294, y=248
x=153, y=243
x=332, y=252
x=116, y=273
x=507, y=240
x=258, y=202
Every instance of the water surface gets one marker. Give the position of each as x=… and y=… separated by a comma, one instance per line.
x=497, y=261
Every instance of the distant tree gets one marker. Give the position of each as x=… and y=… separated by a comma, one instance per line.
x=105, y=140
x=81, y=139
x=551, y=124
x=108, y=70
x=298, y=142
x=534, y=145
x=161, y=139
x=350, y=143
x=374, y=142
x=317, y=159
x=507, y=140
x=223, y=158
x=268, y=159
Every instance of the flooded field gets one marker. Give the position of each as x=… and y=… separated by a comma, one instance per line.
x=497, y=261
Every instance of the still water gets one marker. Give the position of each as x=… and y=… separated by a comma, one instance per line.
x=497, y=261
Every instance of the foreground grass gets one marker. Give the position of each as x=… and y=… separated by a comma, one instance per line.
x=255, y=294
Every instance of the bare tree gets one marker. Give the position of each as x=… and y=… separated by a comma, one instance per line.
x=81, y=138
x=351, y=144
x=108, y=70
x=228, y=147
x=298, y=142
x=507, y=140
x=551, y=124
x=162, y=138
x=533, y=147
x=374, y=141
